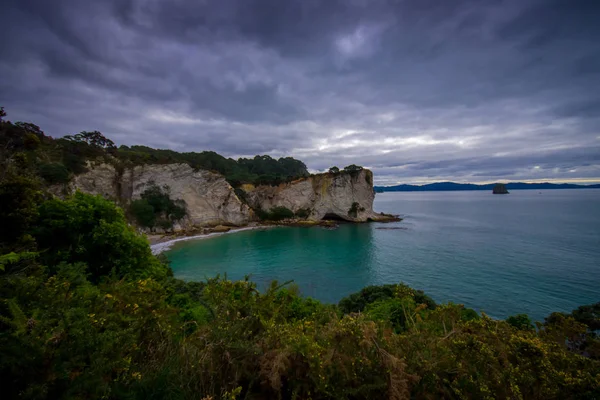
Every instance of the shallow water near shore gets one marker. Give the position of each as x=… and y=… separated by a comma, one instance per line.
x=530, y=251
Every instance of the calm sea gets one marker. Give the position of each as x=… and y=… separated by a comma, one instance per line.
x=528, y=252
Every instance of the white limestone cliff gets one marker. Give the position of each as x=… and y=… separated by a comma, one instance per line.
x=210, y=200
x=345, y=196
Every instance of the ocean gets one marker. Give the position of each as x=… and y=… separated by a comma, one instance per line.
x=530, y=252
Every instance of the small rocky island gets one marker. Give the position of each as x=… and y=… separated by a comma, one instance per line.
x=500, y=188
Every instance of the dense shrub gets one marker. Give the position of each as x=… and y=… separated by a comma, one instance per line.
x=303, y=213
x=54, y=173
x=520, y=321
x=357, y=302
x=91, y=230
x=155, y=208
x=241, y=194
x=353, y=169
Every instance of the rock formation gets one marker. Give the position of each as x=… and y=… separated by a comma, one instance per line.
x=210, y=200
x=499, y=188
x=344, y=196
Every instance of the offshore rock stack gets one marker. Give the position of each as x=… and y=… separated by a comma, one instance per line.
x=500, y=188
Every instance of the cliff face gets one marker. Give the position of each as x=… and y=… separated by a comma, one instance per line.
x=342, y=196
x=210, y=200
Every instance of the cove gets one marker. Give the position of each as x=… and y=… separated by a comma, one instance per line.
x=528, y=252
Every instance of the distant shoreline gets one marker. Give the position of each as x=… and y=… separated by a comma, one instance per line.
x=452, y=187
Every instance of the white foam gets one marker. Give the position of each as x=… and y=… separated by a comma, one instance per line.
x=164, y=246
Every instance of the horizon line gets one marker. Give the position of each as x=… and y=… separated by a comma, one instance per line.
x=575, y=181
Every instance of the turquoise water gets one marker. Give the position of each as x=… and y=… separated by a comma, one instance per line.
x=533, y=252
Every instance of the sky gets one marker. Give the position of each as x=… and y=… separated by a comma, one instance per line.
x=417, y=90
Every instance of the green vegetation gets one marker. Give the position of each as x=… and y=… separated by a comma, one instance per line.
x=57, y=160
x=276, y=214
x=520, y=321
x=156, y=208
x=260, y=170
x=353, y=169
x=334, y=170
x=54, y=173
x=86, y=311
x=303, y=213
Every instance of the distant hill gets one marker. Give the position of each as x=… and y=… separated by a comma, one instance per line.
x=452, y=186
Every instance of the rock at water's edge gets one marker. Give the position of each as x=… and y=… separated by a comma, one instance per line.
x=500, y=188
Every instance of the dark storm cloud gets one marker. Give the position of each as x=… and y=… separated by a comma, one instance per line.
x=420, y=91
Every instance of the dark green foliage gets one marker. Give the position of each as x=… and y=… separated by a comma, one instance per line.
x=353, y=169
x=156, y=208
x=334, y=170
x=577, y=331
x=241, y=194
x=357, y=302
x=54, y=173
x=260, y=170
x=143, y=213
x=520, y=321
x=395, y=311
x=92, y=230
x=93, y=139
x=78, y=149
x=275, y=214
x=588, y=315
x=19, y=197
x=303, y=213
x=15, y=137
x=75, y=151
x=63, y=337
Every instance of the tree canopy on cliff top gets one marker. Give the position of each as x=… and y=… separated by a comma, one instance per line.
x=58, y=159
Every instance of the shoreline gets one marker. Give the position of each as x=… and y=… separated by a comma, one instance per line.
x=160, y=243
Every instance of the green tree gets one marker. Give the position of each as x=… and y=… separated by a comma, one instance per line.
x=356, y=302
x=520, y=321
x=353, y=168
x=92, y=230
x=334, y=170
x=54, y=173
x=143, y=213
x=156, y=208
x=19, y=197
x=94, y=139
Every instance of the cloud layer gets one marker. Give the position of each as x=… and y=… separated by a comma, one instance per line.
x=417, y=90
